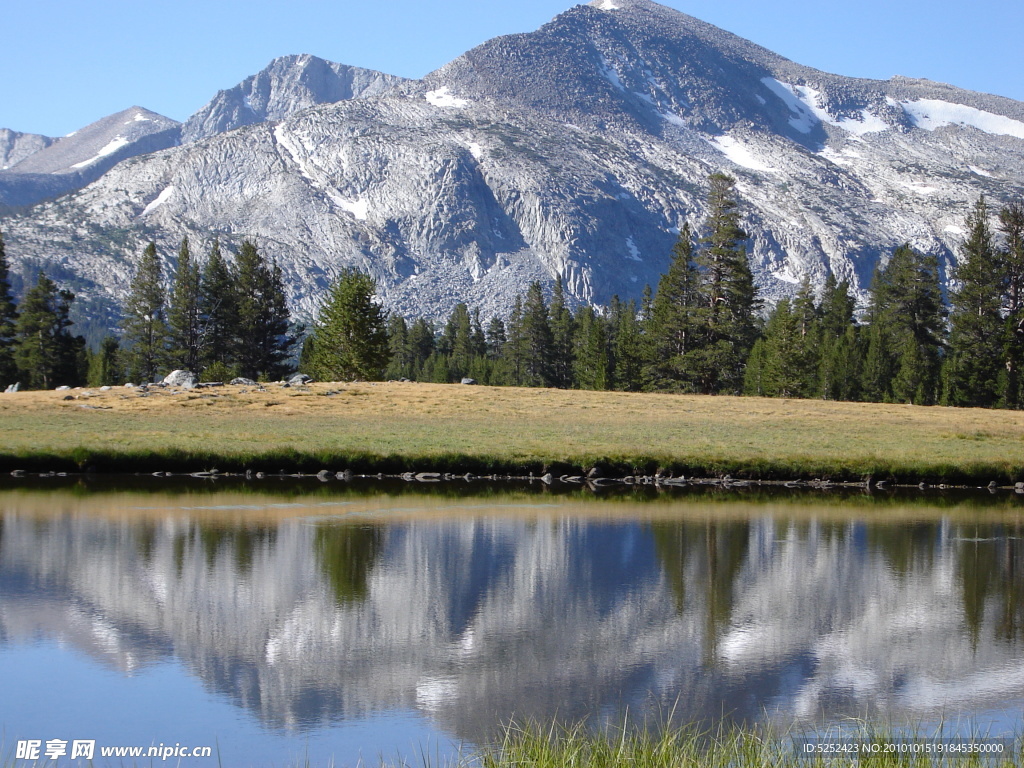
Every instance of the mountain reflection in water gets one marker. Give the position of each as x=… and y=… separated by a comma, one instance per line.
x=474, y=617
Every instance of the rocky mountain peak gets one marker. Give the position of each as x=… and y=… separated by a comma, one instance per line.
x=288, y=84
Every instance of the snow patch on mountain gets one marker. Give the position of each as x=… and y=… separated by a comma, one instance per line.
x=611, y=75
x=159, y=200
x=634, y=252
x=607, y=5
x=739, y=153
x=805, y=103
x=931, y=114
x=442, y=97
x=358, y=208
x=109, y=149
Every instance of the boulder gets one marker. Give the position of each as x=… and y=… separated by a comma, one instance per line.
x=180, y=378
x=11, y=388
x=299, y=379
x=242, y=381
x=468, y=380
x=64, y=388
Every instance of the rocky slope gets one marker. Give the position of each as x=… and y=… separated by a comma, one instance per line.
x=576, y=150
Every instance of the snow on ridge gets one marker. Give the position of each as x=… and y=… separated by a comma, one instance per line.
x=931, y=114
x=634, y=252
x=358, y=208
x=607, y=5
x=110, y=148
x=442, y=97
x=140, y=118
x=160, y=199
x=475, y=150
x=610, y=74
x=805, y=103
x=739, y=153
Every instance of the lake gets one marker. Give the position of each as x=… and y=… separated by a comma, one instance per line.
x=290, y=621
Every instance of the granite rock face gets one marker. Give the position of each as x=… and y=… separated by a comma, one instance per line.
x=576, y=150
x=288, y=85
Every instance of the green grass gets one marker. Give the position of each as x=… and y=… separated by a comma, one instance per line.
x=575, y=746
x=393, y=428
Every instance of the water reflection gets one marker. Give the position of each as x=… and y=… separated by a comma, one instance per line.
x=475, y=617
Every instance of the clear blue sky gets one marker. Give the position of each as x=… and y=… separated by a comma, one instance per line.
x=65, y=63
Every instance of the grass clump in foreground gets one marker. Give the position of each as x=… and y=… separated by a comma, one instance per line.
x=576, y=746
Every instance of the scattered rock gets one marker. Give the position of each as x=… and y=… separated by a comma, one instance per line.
x=468, y=380
x=65, y=388
x=105, y=388
x=242, y=381
x=69, y=397
x=129, y=385
x=299, y=379
x=181, y=378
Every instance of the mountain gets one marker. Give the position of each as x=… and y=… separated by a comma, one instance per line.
x=70, y=163
x=287, y=85
x=577, y=150
x=15, y=147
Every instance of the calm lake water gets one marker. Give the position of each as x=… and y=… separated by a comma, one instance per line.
x=342, y=623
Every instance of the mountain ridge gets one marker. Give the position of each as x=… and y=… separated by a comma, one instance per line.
x=577, y=150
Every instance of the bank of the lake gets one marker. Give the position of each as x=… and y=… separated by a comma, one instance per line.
x=409, y=427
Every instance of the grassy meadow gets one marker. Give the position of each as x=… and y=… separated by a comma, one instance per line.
x=396, y=427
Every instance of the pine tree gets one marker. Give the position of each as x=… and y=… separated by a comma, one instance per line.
x=788, y=365
x=677, y=320
x=906, y=330
x=977, y=326
x=218, y=311
x=562, y=328
x=350, y=336
x=183, y=313
x=105, y=366
x=456, y=342
x=399, y=356
x=536, y=339
x=261, y=333
x=46, y=354
x=628, y=346
x=590, y=339
x=145, y=326
x=1011, y=225
x=8, y=322
x=728, y=293
x=421, y=347
x=838, y=368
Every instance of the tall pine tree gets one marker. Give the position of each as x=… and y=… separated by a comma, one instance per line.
x=728, y=292
x=1011, y=386
x=145, y=323
x=8, y=322
x=218, y=315
x=976, y=336
x=183, y=313
x=676, y=326
x=261, y=330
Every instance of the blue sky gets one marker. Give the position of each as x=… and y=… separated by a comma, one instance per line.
x=66, y=63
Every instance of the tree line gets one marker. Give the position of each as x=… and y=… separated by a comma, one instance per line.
x=701, y=330
x=224, y=318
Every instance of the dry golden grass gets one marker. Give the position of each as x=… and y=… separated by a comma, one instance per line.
x=508, y=427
